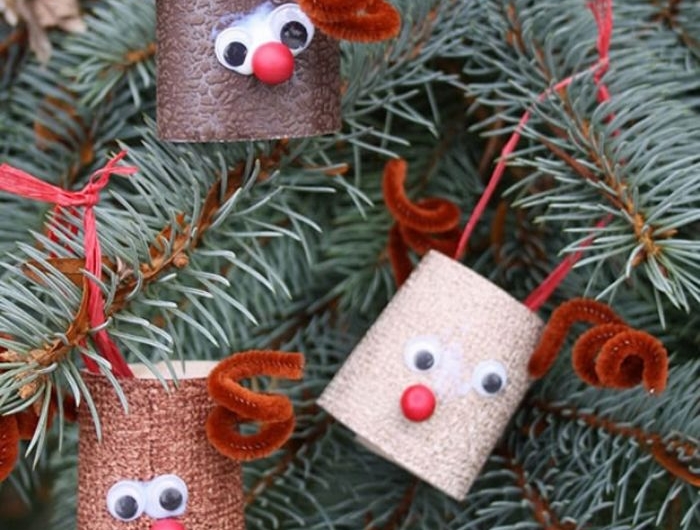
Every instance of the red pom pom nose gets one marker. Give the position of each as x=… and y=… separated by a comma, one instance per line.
x=167, y=524
x=418, y=403
x=273, y=63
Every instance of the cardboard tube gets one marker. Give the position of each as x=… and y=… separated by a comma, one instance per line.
x=163, y=434
x=199, y=100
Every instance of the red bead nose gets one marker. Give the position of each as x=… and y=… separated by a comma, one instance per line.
x=418, y=403
x=273, y=63
x=167, y=524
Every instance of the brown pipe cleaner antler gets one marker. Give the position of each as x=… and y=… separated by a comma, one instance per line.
x=609, y=354
x=430, y=223
x=236, y=404
x=21, y=426
x=354, y=20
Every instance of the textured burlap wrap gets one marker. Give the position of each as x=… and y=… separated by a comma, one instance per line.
x=162, y=434
x=471, y=321
x=199, y=100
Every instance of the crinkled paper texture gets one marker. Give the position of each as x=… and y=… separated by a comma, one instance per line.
x=40, y=15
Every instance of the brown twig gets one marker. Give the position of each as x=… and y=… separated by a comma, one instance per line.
x=668, y=15
x=619, y=197
x=20, y=35
x=669, y=452
x=403, y=508
x=138, y=56
x=541, y=509
x=169, y=250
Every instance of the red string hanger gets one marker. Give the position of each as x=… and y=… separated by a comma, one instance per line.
x=22, y=184
x=603, y=14
x=611, y=353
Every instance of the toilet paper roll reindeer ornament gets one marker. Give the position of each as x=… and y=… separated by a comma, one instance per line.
x=450, y=358
x=446, y=366
x=173, y=462
x=257, y=69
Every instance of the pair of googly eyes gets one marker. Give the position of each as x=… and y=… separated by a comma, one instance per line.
x=489, y=377
x=236, y=45
x=164, y=496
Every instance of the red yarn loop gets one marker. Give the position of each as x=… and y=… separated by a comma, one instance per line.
x=22, y=184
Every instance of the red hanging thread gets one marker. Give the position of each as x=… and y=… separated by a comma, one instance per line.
x=22, y=184
x=603, y=14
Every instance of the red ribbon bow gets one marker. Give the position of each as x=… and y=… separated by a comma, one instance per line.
x=22, y=184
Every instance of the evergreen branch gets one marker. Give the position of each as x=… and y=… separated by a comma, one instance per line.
x=168, y=251
x=398, y=517
x=676, y=454
x=646, y=228
x=669, y=14
x=291, y=455
x=128, y=60
x=541, y=509
x=615, y=190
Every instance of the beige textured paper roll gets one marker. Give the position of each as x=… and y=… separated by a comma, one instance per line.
x=462, y=340
x=162, y=435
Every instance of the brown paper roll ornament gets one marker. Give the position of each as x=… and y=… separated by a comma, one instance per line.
x=436, y=380
x=233, y=70
x=173, y=461
x=159, y=450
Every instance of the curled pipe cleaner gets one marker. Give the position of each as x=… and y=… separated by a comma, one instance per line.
x=22, y=184
x=609, y=354
x=354, y=20
x=430, y=223
x=236, y=404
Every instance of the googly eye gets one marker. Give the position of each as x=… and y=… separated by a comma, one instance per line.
x=233, y=50
x=489, y=378
x=126, y=500
x=422, y=354
x=167, y=497
x=292, y=27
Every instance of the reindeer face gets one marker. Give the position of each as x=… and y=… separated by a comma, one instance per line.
x=154, y=468
x=263, y=42
x=244, y=69
x=435, y=381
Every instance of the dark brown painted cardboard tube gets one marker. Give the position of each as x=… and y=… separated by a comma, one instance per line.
x=199, y=100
